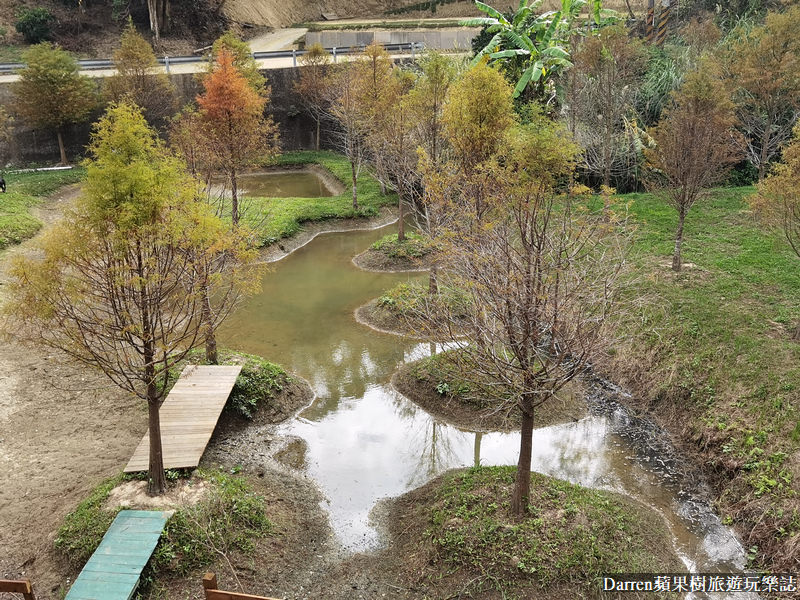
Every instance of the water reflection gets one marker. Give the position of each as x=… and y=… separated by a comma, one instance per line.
x=365, y=442
x=282, y=184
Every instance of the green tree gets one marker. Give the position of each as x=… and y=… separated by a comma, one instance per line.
x=243, y=60
x=437, y=73
x=533, y=47
x=120, y=284
x=695, y=145
x=477, y=115
x=5, y=134
x=139, y=79
x=51, y=93
x=34, y=24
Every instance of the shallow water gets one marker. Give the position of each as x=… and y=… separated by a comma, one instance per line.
x=283, y=184
x=362, y=441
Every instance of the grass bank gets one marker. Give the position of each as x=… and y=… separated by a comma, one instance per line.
x=712, y=356
x=226, y=520
x=466, y=541
x=23, y=192
x=278, y=218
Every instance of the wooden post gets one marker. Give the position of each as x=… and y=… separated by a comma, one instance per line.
x=212, y=593
x=209, y=582
x=22, y=586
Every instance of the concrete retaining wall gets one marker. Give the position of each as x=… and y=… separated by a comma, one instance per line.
x=38, y=146
x=440, y=39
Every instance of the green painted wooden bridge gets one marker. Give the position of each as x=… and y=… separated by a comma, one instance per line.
x=113, y=571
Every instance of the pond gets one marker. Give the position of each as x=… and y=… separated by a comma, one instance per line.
x=361, y=441
x=281, y=184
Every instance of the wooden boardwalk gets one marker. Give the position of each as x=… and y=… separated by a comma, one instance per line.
x=113, y=571
x=188, y=417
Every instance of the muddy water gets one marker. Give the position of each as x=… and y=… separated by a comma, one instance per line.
x=280, y=184
x=361, y=441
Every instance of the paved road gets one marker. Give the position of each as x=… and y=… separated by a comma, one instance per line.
x=280, y=39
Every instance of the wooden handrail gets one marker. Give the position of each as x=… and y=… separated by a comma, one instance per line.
x=212, y=593
x=20, y=586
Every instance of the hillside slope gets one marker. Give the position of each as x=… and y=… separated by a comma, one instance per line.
x=283, y=13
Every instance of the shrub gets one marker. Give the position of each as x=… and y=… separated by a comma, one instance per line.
x=35, y=24
x=230, y=519
x=414, y=246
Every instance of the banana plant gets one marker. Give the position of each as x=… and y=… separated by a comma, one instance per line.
x=538, y=42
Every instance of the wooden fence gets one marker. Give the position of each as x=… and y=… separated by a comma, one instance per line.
x=212, y=593
x=22, y=586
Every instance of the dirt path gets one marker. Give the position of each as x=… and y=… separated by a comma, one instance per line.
x=62, y=430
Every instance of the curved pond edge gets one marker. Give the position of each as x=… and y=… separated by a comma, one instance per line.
x=284, y=247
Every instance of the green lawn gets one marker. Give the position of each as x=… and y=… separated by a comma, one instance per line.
x=277, y=218
x=24, y=191
x=712, y=352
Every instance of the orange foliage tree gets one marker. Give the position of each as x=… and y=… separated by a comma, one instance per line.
x=236, y=132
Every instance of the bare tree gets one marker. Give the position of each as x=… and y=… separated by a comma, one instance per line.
x=539, y=274
x=696, y=144
x=312, y=82
x=346, y=111
x=606, y=68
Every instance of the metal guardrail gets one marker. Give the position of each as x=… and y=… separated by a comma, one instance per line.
x=166, y=61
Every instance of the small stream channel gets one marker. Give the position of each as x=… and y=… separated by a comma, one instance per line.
x=361, y=441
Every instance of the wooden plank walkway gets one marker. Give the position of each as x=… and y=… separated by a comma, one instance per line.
x=113, y=571
x=188, y=417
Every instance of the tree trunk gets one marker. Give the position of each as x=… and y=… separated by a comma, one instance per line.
x=476, y=458
x=64, y=161
x=401, y=225
x=676, y=255
x=157, y=483
x=606, y=149
x=155, y=25
x=234, y=199
x=355, y=186
x=318, y=120
x=433, y=281
x=762, y=163
x=166, y=19
x=219, y=8
x=208, y=324
x=522, y=483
